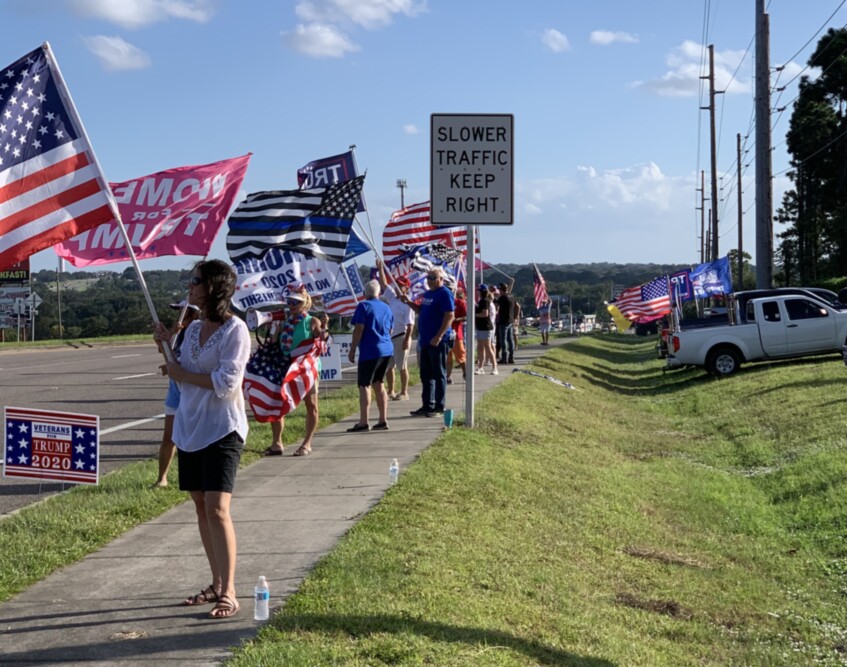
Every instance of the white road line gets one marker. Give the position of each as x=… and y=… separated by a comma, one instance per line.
x=121, y=427
x=132, y=377
x=126, y=356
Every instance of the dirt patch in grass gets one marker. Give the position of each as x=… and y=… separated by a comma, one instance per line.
x=666, y=607
x=663, y=557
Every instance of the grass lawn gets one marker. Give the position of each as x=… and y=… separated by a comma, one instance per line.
x=644, y=519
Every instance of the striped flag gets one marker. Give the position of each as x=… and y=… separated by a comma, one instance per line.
x=272, y=399
x=340, y=302
x=316, y=222
x=645, y=302
x=50, y=186
x=410, y=227
x=539, y=287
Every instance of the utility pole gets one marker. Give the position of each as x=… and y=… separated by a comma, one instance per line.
x=764, y=165
x=401, y=183
x=713, y=248
x=740, y=285
x=702, y=209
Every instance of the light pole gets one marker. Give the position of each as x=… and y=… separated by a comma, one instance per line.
x=401, y=183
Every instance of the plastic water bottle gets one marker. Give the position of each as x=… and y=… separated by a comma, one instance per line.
x=261, y=611
x=393, y=472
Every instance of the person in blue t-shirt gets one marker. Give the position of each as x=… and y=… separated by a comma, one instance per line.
x=435, y=315
x=372, y=321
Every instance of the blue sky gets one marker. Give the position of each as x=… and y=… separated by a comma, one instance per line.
x=609, y=138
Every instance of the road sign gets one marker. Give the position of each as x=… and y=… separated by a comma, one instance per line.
x=472, y=169
x=34, y=301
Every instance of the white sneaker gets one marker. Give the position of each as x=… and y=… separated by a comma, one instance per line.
x=479, y=371
x=495, y=372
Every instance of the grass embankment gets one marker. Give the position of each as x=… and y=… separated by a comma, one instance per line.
x=645, y=519
x=75, y=342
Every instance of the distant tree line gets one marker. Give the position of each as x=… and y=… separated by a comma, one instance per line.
x=111, y=303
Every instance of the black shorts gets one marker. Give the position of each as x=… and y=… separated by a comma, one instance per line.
x=373, y=370
x=212, y=468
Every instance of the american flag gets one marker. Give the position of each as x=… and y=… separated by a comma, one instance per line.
x=340, y=302
x=50, y=186
x=45, y=445
x=539, y=287
x=410, y=226
x=645, y=302
x=316, y=222
x=355, y=280
x=271, y=398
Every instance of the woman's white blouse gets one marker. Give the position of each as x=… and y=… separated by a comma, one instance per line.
x=205, y=415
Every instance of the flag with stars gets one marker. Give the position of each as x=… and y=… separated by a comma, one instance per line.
x=58, y=446
x=340, y=302
x=315, y=223
x=354, y=279
x=645, y=303
x=50, y=185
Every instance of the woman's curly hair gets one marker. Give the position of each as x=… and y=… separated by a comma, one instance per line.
x=219, y=281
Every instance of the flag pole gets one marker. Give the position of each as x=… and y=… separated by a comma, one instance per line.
x=352, y=148
x=470, y=335
x=65, y=93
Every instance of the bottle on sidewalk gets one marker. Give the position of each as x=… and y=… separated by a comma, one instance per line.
x=261, y=610
x=393, y=472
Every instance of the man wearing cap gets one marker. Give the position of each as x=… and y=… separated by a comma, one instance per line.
x=401, y=333
x=436, y=314
x=505, y=323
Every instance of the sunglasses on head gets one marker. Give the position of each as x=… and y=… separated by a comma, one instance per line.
x=195, y=280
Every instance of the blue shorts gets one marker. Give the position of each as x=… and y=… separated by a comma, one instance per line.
x=172, y=399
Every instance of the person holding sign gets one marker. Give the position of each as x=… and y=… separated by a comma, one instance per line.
x=210, y=424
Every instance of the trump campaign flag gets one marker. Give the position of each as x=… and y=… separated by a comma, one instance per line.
x=173, y=212
x=712, y=278
x=51, y=187
x=314, y=222
x=329, y=170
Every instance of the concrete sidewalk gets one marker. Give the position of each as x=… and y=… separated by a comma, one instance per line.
x=121, y=603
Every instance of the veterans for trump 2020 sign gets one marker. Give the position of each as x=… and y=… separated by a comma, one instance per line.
x=57, y=446
x=472, y=169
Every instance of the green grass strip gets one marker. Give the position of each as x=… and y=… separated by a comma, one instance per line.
x=644, y=519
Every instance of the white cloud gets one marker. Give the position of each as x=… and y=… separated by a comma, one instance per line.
x=319, y=41
x=555, y=41
x=532, y=209
x=411, y=129
x=370, y=14
x=132, y=14
x=116, y=54
x=605, y=37
x=683, y=79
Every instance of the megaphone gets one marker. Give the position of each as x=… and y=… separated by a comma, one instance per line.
x=256, y=318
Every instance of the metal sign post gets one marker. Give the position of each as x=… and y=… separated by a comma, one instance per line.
x=472, y=177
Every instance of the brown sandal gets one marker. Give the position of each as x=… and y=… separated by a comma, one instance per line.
x=303, y=451
x=203, y=597
x=225, y=607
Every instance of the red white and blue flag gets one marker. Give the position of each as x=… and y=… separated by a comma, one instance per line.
x=410, y=227
x=59, y=446
x=341, y=302
x=539, y=287
x=271, y=396
x=50, y=186
x=646, y=302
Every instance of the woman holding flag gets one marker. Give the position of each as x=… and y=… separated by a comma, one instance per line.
x=210, y=424
x=297, y=328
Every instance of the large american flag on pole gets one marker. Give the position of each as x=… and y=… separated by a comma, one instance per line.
x=272, y=397
x=645, y=302
x=50, y=186
x=315, y=222
x=410, y=227
x=539, y=287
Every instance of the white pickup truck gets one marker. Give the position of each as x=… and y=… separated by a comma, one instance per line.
x=763, y=325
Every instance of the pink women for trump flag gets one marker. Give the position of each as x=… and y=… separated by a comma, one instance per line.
x=173, y=212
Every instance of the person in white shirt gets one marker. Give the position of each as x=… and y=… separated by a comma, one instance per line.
x=210, y=424
x=401, y=334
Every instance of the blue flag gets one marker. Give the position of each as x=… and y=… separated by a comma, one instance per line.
x=712, y=278
x=355, y=246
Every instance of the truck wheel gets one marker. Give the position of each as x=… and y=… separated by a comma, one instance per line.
x=723, y=361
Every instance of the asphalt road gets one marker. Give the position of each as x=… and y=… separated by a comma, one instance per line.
x=122, y=384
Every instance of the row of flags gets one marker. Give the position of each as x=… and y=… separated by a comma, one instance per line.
x=655, y=299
